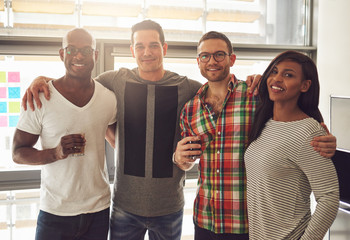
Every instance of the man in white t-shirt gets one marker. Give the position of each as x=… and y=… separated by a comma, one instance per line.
x=72, y=126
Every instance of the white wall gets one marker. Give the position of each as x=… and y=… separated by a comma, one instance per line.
x=333, y=55
x=333, y=52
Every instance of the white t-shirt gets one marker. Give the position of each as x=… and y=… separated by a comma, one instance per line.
x=77, y=184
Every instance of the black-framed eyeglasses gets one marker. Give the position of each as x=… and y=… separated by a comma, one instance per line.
x=85, y=51
x=219, y=56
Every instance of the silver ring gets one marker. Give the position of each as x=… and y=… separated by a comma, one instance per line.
x=75, y=147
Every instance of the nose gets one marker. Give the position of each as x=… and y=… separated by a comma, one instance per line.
x=278, y=77
x=147, y=51
x=79, y=55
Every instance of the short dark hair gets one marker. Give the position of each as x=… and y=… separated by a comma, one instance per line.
x=307, y=102
x=217, y=35
x=147, y=25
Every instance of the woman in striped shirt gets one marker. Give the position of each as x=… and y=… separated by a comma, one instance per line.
x=282, y=168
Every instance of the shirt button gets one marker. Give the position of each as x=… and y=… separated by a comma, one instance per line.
x=219, y=133
x=218, y=152
x=217, y=170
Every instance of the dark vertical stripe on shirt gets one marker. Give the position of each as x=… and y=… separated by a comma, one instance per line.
x=135, y=112
x=166, y=101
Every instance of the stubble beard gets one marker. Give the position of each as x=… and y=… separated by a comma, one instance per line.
x=220, y=77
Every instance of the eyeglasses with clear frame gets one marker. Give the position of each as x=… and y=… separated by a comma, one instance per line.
x=85, y=51
x=218, y=56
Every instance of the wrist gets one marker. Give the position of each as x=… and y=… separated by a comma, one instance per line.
x=178, y=163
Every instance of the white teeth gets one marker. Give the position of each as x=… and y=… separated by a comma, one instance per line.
x=78, y=65
x=277, y=88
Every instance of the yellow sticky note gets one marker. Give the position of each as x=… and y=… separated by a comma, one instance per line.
x=2, y=77
x=14, y=107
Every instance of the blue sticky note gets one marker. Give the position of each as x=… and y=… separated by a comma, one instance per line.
x=13, y=120
x=3, y=107
x=14, y=92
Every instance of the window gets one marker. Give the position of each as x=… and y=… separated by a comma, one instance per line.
x=16, y=73
x=244, y=21
x=18, y=214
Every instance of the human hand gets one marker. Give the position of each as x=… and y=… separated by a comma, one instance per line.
x=325, y=145
x=185, y=151
x=253, y=82
x=38, y=85
x=69, y=144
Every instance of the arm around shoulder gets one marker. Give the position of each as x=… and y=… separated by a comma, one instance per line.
x=40, y=84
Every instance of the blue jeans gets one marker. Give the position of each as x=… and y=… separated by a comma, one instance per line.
x=127, y=226
x=91, y=226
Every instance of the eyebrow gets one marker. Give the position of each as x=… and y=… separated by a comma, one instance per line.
x=287, y=69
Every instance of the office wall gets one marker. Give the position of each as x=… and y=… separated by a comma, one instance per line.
x=333, y=55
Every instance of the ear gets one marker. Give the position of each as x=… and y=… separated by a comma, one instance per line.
x=198, y=61
x=96, y=55
x=132, y=51
x=305, y=85
x=61, y=52
x=165, y=48
x=232, y=59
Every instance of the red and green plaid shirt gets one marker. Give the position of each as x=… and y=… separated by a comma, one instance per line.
x=221, y=202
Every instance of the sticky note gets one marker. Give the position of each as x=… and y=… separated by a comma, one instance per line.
x=13, y=77
x=3, y=107
x=13, y=120
x=3, y=121
x=14, y=92
x=2, y=77
x=14, y=107
x=3, y=92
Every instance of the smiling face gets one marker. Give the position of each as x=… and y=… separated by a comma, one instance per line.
x=286, y=82
x=80, y=64
x=148, y=51
x=215, y=71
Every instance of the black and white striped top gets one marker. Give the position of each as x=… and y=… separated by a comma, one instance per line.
x=282, y=170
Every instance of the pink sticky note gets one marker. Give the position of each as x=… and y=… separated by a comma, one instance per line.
x=3, y=121
x=3, y=92
x=13, y=77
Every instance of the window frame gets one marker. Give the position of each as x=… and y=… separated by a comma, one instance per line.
x=109, y=48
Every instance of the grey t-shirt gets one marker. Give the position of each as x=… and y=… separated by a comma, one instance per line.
x=147, y=183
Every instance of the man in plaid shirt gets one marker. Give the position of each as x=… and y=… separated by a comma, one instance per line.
x=220, y=116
